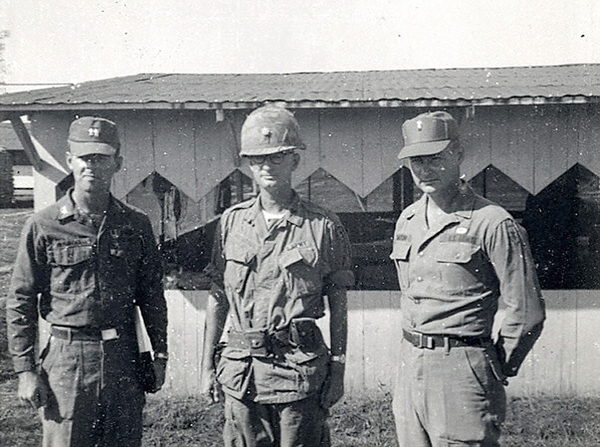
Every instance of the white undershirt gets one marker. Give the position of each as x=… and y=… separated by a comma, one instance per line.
x=271, y=217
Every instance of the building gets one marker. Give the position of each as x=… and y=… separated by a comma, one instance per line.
x=21, y=172
x=531, y=137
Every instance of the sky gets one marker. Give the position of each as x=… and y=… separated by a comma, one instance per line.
x=70, y=41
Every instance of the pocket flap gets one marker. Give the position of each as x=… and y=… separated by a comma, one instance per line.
x=308, y=255
x=300, y=357
x=456, y=252
x=235, y=354
x=60, y=254
x=400, y=250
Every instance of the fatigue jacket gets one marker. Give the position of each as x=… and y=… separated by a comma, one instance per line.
x=273, y=275
x=453, y=275
x=84, y=277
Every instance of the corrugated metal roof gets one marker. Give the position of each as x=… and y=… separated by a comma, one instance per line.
x=432, y=87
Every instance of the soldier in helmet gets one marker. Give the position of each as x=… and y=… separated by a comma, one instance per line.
x=274, y=258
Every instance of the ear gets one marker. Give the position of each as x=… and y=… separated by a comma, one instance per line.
x=458, y=150
x=118, y=162
x=296, y=161
x=69, y=159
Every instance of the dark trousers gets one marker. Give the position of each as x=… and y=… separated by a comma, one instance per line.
x=96, y=399
x=448, y=397
x=296, y=424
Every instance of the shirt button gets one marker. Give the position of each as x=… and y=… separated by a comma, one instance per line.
x=421, y=254
x=419, y=278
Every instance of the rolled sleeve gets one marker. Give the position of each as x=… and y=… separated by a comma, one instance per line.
x=520, y=292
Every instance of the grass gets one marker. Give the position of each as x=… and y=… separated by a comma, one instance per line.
x=358, y=421
x=366, y=421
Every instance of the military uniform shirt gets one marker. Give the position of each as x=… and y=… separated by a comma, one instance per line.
x=85, y=277
x=452, y=275
x=271, y=276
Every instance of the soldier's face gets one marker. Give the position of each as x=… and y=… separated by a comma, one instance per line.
x=437, y=173
x=271, y=172
x=93, y=172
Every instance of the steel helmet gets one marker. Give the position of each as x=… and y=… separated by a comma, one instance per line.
x=268, y=130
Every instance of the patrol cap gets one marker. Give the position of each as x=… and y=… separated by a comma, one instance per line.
x=92, y=135
x=428, y=134
x=268, y=130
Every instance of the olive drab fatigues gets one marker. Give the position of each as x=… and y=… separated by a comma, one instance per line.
x=449, y=389
x=88, y=280
x=274, y=280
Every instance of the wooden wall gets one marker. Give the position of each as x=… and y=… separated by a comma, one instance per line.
x=565, y=361
x=533, y=145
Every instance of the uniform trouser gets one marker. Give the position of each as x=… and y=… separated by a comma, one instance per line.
x=301, y=423
x=448, y=397
x=95, y=395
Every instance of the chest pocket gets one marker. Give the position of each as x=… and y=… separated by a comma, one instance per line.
x=460, y=266
x=456, y=252
x=300, y=266
x=70, y=253
x=239, y=256
x=125, y=251
x=70, y=261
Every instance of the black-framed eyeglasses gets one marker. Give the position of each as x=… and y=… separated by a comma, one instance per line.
x=276, y=158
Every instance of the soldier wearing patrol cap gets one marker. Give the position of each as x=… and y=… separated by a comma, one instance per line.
x=274, y=258
x=85, y=262
x=457, y=254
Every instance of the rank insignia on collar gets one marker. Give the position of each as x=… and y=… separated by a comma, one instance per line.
x=461, y=230
x=115, y=233
x=419, y=125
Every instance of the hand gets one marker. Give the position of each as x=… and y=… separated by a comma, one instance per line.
x=32, y=389
x=160, y=369
x=333, y=389
x=209, y=386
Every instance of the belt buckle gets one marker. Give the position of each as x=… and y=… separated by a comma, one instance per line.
x=109, y=334
x=424, y=341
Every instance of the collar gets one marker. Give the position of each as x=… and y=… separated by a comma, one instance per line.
x=68, y=209
x=465, y=203
x=294, y=215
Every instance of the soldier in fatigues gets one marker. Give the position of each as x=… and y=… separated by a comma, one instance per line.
x=274, y=259
x=457, y=254
x=84, y=263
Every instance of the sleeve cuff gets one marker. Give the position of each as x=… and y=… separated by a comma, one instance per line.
x=24, y=364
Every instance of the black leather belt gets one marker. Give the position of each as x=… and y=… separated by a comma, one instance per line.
x=439, y=341
x=83, y=334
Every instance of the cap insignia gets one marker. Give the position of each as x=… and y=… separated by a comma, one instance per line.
x=94, y=132
x=267, y=133
x=419, y=125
